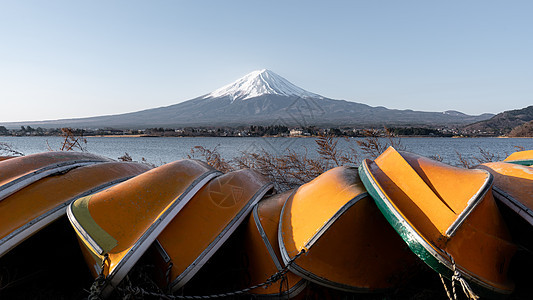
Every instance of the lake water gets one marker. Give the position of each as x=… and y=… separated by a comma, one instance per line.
x=163, y=150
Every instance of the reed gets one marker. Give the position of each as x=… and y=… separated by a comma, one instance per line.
x=73, y=140
x=376, y=142
x=290, y=169
x=485, y=156
x=8, y=150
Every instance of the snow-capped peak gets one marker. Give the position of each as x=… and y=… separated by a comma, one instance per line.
x=259, y=83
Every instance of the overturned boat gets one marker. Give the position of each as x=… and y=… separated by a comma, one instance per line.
x=117, y=225
x=6, y=157
x=21, y=171
x=446, y=215
x=513, y=187
x=26, y=211
x=521, y=158
x=332, y=233
x=264, y=256
x=206, y=222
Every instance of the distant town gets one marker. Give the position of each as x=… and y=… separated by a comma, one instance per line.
x=250, y=131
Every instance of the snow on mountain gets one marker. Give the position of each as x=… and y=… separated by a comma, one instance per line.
x=258, y=83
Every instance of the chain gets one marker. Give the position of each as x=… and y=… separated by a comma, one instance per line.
x=467, y=290
x=276, y=277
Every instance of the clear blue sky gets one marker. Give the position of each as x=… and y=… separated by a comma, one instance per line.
x=65, y=59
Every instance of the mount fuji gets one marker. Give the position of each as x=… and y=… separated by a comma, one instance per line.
x=264, y=98
x=259, y=83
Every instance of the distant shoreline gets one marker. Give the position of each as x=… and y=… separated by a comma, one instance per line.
x=273, y=136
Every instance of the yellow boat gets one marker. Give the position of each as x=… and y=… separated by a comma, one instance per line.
x=521, y=157
x=117, y=225
x=215, y=211
x=28, y=210
x=513, y=187
x=22, y=171
x=335, y=236
x=443, y=212
x=264, y=256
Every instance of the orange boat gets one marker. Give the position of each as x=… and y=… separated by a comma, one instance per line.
x=22, y=171
x=446, y=215
x=117, y=225
x=521, y=157
x=513, y=186
x=262, y=249
x=335, y=236
x=6, y=157
x=216, y=211
x=27, y=211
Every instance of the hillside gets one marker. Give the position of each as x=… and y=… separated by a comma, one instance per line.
x=503, y=123
x=524, y=130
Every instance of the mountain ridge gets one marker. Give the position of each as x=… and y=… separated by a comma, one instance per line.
x=263, y=98
x=504, y=122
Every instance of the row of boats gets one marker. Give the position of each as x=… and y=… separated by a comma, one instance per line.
x=355, y=230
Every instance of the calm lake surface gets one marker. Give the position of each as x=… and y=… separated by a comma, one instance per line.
x=163, y=150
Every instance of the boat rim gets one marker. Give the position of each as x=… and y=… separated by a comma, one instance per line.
x=146, y=239
x=302, y=272
x=416, y=242
x=195, y=266
x=27, y=230
x=513, y=204
x=31, y=177
x=264, y=237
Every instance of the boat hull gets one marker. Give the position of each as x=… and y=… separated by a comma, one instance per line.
x=264, y=256
x=524, y=158
x=28, y=210
x=346, y=243
x=206, y=222
x=116, y=226
x=445, y=215
x=22, y=171
x=513, y=187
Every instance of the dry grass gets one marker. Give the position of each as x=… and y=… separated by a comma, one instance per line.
x=72, y=141
x=291, y=169
x=485, y=156
x=212, y=157
x=375, y=142
x=8, y=150
x=288, y=169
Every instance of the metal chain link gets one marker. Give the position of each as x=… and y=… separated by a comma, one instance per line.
x=277, y=276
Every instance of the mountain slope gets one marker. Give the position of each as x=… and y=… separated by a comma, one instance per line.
x=524, y=130
x=259, y=83
x=504, y=122
x=264, y=98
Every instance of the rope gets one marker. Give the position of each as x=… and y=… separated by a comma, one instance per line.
x=445, y=287
x=96, y=288
x=467, y=290
x=276, y=277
